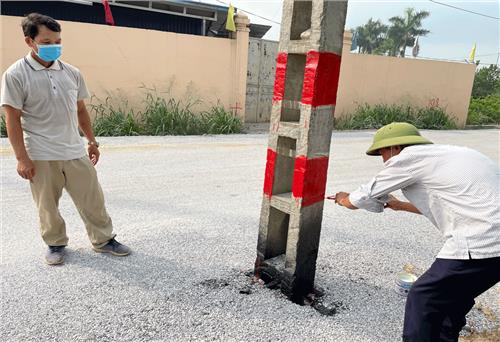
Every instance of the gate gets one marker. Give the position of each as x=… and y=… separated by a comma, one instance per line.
x=260, y=79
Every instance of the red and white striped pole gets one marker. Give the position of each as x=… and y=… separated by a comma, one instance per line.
x=305, y=93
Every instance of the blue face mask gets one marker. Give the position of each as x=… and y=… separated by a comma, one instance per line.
x=49, y=53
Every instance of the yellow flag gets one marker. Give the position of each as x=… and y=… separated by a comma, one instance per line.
x=472, y=55
x=230, y=19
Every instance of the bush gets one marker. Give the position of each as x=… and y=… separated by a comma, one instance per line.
x=3, y=128
x=162, y=116
x=432, y=118
x=112, y=122
x=220, y=121
x=484, y=111
x=169, y=117
x=486, y=81
x=374, y=117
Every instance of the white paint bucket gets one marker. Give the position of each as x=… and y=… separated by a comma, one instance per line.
x=404, y=282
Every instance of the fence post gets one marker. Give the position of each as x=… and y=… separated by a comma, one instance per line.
x=240, y=65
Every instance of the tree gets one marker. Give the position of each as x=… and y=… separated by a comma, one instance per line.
x=486, y=81
x=386, y=47
x=404, y=30
x=370, y=36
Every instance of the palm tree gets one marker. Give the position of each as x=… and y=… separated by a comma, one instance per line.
x=386, y=47
x=404, y=30
x=370, y=35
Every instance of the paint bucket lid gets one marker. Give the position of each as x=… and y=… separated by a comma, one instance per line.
x=406, y=278
x=404, y=282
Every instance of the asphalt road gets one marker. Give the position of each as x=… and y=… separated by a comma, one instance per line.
x=189, y=208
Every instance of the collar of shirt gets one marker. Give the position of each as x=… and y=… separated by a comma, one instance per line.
x=35, y=65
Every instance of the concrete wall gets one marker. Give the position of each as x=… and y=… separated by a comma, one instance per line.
x=426, y=83
x=120, y=60
x=374, y=80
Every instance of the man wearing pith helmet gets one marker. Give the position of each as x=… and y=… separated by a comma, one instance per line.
x=457, y=189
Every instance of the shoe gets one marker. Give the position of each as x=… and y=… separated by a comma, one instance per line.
x=113, y=247
x=55, y=255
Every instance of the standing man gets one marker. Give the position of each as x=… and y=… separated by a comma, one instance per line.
x=457, y=189
x=43, y=100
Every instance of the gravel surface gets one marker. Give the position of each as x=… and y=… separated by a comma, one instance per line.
x=189, y=207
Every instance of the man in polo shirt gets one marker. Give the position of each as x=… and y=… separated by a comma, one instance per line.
x=43, y=98
x=457, y=189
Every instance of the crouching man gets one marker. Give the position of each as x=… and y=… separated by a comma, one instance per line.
x=457, y=189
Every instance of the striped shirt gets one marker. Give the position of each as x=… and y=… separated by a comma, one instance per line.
x=456, y=188
x=48, y=100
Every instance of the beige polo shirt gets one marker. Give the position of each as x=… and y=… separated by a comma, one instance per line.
x=48, y=99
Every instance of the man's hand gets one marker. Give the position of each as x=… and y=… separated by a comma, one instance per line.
x=393, y=203
x=94, y=154
x=26, y=168
x=342, y=198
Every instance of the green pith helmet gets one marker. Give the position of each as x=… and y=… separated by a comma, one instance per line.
x=396, y=133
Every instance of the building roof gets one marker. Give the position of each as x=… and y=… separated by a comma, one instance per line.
x=180, y=16
x=215, y=15
x=215, y=27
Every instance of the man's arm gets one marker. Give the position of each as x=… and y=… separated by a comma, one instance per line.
x=342, y=199
x=84, y=121
x=25, y=166
x=374, y=195
x=86, y=127
x=398, y=205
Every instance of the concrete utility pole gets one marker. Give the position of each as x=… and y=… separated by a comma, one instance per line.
x=307, y=74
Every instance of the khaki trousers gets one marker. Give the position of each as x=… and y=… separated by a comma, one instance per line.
x=79, y=178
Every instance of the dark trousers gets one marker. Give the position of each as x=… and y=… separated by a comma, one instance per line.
x=439, y=300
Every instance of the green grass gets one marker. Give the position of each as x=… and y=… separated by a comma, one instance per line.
x=484, y=111
x=374, y=117
x=162, y=116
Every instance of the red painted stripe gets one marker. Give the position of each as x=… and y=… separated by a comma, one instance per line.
x=279, y=80
x=269, y=175
x=321, y=78
x=309, y=179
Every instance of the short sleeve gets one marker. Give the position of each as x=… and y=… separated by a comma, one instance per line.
x=12, y=92
x=83, y=92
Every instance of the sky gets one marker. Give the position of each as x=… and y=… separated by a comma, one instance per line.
x=453, y=32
